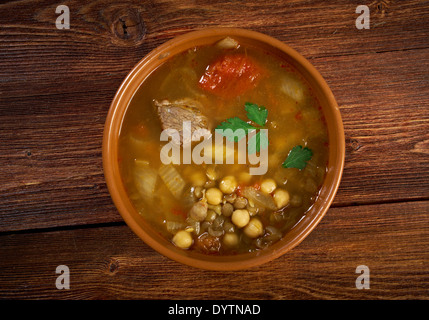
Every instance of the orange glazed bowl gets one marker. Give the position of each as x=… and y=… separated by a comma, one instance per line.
x=144, y=229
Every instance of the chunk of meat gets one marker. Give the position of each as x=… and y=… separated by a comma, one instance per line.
x=173, y=114
x=231, y=75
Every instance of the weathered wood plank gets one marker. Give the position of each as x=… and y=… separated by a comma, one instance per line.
x=36, y=57
x=383, y=99
x=112, y=263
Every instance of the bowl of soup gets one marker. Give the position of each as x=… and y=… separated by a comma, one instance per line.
x=223, y=149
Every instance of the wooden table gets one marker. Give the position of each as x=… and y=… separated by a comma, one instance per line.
x=56, y=86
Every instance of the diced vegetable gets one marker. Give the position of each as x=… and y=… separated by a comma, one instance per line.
x=172, y=180
x=183, y=86
x=227, y=43
x=174, y=226
x=193, y=226
x=231, y=75
x=145, y=179
x=292, y=88
x=259, y=198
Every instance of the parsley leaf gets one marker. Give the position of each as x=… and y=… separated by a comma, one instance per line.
x=298, y=158
x=257, y=114
x=257, y=142
x=238, y=129
x=234, y=129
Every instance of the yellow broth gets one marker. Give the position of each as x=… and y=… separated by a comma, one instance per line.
x=294, y=118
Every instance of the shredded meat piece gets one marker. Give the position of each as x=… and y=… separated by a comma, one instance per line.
x=173, y=114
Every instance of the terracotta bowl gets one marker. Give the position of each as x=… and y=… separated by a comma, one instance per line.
x=119, y=107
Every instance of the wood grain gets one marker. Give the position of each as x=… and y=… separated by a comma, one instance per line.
x=112, y=263
x=38, y=55
x=384, y=106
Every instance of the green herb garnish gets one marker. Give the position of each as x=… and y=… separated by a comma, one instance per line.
x=235, y=124
x=256, y=114
x=298, y=158
x=257, y=142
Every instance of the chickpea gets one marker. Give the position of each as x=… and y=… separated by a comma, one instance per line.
x=240, y=218
x=268, y=186
x=230, y=239
x=254, y=228
x=228, y=184
x=281, y=198
x=214, y=196
x=182, y=239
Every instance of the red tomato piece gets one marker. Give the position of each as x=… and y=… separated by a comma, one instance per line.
x=231, y=75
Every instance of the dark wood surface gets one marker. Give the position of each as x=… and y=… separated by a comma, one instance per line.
x=55, y=90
